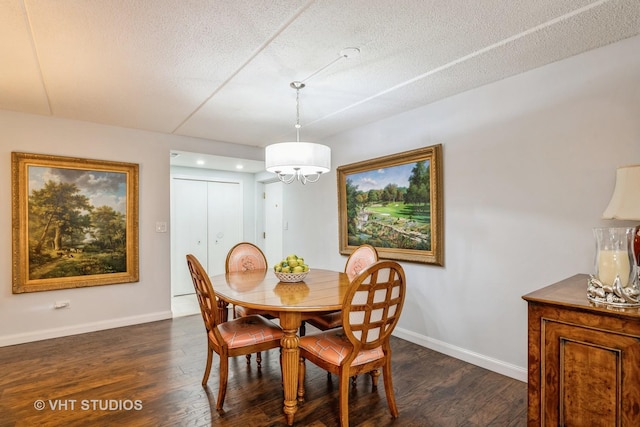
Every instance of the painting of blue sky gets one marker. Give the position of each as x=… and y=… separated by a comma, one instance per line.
x=378, y=179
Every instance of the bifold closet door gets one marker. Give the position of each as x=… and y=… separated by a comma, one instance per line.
x=188, y=230
x=207, y=221
x=225, y=221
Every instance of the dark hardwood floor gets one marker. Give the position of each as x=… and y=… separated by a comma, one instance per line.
x=149, y=375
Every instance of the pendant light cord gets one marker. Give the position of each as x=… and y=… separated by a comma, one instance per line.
x=297, y=86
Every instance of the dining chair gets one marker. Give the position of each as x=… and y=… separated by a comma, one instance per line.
x=246, y=256
x=362, y=257
x=236, y=337
x=370, y=311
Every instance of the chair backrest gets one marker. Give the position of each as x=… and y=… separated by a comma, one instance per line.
x=245, y=256
x=204, y=292
x=373, y=304
x=362, y=257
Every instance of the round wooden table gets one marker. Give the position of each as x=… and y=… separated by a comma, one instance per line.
x=321, y=290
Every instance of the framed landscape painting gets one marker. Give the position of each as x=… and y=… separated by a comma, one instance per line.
x=394, y=203
x=74, y=222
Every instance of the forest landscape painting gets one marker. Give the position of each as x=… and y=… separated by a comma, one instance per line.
x=74, y=222
x=394, y=204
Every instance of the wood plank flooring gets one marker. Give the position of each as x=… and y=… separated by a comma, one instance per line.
x=149, y=375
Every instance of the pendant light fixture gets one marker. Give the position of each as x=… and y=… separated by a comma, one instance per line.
x=302, y=161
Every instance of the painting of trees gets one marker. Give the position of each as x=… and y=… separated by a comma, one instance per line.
x=393, y=203
x=398, y=212
x=73, y=222
x=68, y=234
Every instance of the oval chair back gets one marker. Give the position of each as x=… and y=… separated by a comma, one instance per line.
x=373, y=304
x=362, y=257
x=245, y=256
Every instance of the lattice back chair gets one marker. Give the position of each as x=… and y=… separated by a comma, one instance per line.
x=246, y=256
x=362, y=257
x=370, y=312
x=237, y=337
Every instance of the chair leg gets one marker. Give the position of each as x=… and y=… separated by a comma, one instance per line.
x=301, y=374
x=374, y=379
x=388, y=388
x=344, y=399
x=258, y=359
x=207, y=369
x=224, y=376
x=303, y=328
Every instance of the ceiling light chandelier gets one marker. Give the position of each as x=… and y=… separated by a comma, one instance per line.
x=302, y=161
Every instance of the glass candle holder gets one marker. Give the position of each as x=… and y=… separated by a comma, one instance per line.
x=616, y=279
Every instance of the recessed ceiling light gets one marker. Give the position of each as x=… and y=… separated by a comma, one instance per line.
x=200, y=162
x=239, y=167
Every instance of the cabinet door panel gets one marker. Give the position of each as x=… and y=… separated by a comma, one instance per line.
x=590, y=377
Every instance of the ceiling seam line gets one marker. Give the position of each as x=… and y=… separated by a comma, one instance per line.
x=467, y=57
x=263, y=46
x=37, y=57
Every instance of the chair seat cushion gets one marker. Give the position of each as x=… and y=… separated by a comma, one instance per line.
x=333, y=346
x=248, y=330
x=325, y=321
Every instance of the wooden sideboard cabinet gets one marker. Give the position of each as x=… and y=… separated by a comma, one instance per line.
x=584, y=360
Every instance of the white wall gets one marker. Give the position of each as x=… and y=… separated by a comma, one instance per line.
x=529, y=167
x=29, y=317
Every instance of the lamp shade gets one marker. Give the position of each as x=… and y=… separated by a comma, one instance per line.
x=297, y=158
x=625, y=202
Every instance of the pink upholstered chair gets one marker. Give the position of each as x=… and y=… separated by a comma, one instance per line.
x=370, y=312
x=246, y=256
x=362, y=257
x=235, y=337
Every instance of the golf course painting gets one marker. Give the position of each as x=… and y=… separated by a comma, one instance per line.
x=75, y=222
x=394, y=204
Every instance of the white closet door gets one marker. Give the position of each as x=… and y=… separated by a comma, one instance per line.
x=225, y=209
x=188, y=229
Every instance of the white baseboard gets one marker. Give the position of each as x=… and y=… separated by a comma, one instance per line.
x=81, y=329
x=495, y=365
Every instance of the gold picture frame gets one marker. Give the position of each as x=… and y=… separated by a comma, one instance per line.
x=394, y=203
x=74, y=222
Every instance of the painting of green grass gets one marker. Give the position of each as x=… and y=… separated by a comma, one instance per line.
x=390, y=207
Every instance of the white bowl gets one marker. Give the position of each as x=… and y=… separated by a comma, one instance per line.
x=291, y=277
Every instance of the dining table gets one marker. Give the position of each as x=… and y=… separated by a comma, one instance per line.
x=320, y=291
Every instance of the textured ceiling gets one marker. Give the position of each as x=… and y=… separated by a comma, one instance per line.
x=220, y=69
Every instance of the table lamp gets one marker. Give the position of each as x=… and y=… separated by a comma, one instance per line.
x=617, y=260
x=625, y=202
